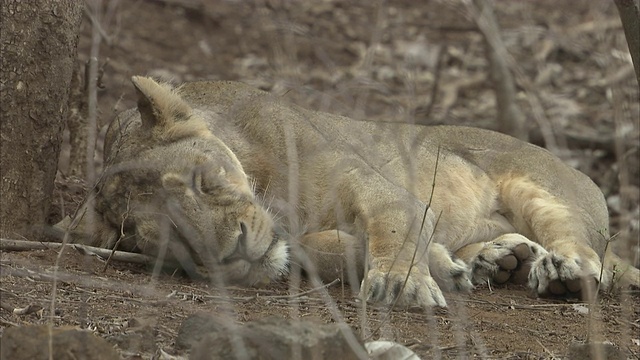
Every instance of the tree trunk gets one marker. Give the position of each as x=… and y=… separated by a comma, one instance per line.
x=629, y=11
x=38, y=44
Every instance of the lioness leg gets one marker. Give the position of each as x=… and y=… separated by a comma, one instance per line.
x=571, y=262
x=508, y=258
x=333, y=254
x=400, y=271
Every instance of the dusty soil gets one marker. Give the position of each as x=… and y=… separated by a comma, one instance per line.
x=377, y=63
x=141, y=314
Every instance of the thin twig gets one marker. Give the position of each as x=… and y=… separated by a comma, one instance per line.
x=122, y=235
x=517, y=306
x=415, y=251
x=303, y=293
x=546, y=350
x=425, y=112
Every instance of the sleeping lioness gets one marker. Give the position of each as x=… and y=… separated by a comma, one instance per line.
x=225, y=179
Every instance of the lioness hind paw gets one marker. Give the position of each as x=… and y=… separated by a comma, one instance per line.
x=508, y=258
x=460, y=276
x=559, y=275
x=451, y=273
x=398, y=288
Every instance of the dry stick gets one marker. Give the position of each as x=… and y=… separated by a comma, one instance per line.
x=293, y=186
x=346, y=331
x=364, y=291
x=621, y=122
x=293, y=183
x=546, y=127
x=511, y=120
x=52, y=307
x=437, y=73
x=303, y=293
x=546, y=350
x=121, y=256
x=115, y=246
x=424, y=219
x=367, y=61
x=95, y=45
x=376, y=169
x=91, y=126
x=415, y=251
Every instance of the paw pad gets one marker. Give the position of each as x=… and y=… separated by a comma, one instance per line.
x=571, y=288
x=556, y=275
x=514, y=267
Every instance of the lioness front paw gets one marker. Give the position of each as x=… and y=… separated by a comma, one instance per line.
x=563, y=274
x=416, y=289
x=508, y=258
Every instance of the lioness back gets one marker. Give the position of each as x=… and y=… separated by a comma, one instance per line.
x=496, y=155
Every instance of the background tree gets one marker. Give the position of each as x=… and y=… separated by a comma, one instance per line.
x=38, y=49
x=630, y=16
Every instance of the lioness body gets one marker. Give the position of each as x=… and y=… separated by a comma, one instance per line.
x=342, y=186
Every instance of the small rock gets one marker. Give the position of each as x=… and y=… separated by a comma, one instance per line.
x=195, y=327
x=213, y=337
x=599, y=350
x=137, y=340
x=389, y=350
x=32, y=343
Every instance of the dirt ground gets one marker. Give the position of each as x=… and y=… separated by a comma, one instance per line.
x=381, y=61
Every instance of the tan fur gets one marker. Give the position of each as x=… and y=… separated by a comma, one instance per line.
x=349, y=191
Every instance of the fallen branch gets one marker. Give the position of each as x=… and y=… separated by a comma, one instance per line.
x=122, y=256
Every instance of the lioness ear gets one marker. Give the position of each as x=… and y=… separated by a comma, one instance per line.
x=158, y=104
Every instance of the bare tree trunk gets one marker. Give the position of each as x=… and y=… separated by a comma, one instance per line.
x=629, y=11
x=38, y=45
x=511, y=120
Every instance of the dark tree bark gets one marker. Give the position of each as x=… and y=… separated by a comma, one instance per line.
x=629, y=11
x=38, y=43
x=77, y=122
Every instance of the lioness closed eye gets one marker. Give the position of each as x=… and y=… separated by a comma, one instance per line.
x=190, y=172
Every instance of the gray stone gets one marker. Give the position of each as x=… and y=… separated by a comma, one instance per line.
x=389, y=350
x=32, y=343
x=213, y=337
x=137, y=340
x=597, y=350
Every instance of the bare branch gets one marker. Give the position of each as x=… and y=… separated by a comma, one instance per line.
x=510, y=118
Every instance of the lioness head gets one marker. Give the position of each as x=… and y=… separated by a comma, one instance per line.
x=182, y=192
